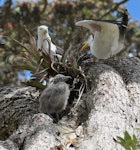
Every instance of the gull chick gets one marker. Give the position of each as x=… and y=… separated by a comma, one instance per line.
x=54, y=98
x=45, y=44
x=107, y=36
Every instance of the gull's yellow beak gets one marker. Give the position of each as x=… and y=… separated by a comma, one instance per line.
x=85, y=47
x=45, y=31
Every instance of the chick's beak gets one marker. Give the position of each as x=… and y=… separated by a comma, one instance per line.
x=85, y=47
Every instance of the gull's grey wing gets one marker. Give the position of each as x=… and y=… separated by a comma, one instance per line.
x=109, y=21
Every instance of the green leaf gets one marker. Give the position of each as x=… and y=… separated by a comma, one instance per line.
x=17, y=42
x=24, y=67
x=120, y=138
x=74, y=65
x=36, y=84
x=127, y=136
x=135, y=139
x=137, y=128
x=128, y=142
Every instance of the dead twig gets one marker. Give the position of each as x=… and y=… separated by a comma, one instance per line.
x=81, y=90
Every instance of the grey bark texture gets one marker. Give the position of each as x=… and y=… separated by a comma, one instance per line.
x=109, y=108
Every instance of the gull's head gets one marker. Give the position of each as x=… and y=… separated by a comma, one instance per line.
x=42, y=35
x=93, y=26
x=42, y=30
x=87, y=44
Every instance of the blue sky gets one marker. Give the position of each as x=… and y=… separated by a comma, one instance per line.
x=133, y=7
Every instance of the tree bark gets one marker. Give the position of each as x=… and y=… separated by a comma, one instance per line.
x=110, y=107
x=15, y=104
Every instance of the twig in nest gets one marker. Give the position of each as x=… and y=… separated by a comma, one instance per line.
x=82, y=73
x=43, y=78
x=81, y=90
x=39, y=73
x=41, y=60
x=52, y=66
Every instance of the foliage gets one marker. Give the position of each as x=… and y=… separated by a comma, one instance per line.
x=19, y=21
x=42, y=67
x=128, y=142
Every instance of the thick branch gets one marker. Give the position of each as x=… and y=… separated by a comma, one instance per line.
x=109, y=108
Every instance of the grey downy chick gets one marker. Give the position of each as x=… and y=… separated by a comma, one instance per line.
x=54, y=98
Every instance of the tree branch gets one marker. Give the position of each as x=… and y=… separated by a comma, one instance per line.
x=114, y=8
